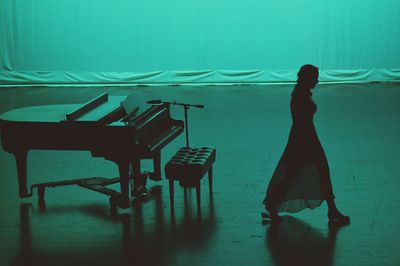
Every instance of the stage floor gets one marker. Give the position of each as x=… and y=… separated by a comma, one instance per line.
x=358, y=125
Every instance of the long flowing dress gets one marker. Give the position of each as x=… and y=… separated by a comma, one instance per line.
x=301, y=179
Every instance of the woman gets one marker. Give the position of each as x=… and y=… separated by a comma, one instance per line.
x=301, y=179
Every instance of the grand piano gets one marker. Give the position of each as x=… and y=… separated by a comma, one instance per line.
x=117, y=128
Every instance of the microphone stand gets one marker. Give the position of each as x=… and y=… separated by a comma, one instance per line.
x=186, y=107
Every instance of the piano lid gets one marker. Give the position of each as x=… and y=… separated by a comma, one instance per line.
x=94, y=110
x=87, y=107
x=41, y=113
x=100, y=111
x=57, y=113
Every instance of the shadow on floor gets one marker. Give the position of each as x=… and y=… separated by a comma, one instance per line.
x=137, y=244
x=294, y=242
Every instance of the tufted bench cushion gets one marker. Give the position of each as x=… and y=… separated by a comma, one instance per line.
x=189, y=165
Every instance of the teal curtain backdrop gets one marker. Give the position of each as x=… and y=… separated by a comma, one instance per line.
x=196, y=41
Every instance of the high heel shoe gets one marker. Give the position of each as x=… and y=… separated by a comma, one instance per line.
x=271, y=218
x=270, y=214
x=338, y=218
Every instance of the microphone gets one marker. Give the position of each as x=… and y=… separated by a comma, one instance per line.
x=154, y=102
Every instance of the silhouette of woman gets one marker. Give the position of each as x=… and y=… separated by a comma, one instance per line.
x=301, y=179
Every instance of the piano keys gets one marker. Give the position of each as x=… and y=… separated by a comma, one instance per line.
x=118, y=128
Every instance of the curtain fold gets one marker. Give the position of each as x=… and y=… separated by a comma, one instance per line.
x=53, y=78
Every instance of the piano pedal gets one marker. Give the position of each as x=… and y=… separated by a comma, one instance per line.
x=139, y=188
x=139, y=192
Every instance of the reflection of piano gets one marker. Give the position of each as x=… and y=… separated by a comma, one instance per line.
x=108, y=126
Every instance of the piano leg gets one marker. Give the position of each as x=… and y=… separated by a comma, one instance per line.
x=139, y=180
x=20, y=158
x=156, y=166
x=123, y=199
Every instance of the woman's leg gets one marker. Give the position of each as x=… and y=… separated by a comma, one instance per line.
x=333, y=213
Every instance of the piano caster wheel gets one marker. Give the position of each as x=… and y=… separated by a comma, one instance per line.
x=116, y=201
x=40, y=191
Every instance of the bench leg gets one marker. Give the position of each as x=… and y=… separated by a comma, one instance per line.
x=171, y=193
x=210, y=179
x=185, y=196
x=198, y=197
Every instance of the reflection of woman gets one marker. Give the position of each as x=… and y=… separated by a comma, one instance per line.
x=301, y=179
x=294, y=242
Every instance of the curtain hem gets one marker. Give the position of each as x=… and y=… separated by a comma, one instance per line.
x=203, y=77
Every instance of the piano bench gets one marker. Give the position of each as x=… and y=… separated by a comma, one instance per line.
x=188, y=166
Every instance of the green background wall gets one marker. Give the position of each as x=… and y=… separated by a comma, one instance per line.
x=145, y=41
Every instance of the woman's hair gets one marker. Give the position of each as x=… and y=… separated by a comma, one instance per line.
x=306, y=73
x=306, y=78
